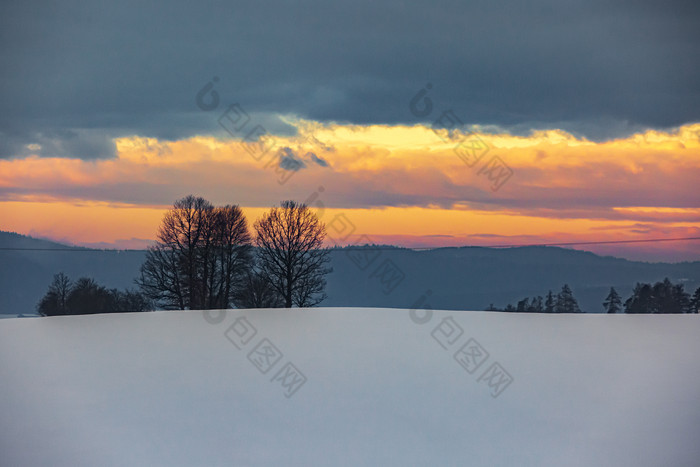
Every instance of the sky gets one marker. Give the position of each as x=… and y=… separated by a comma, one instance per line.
x=420, y=124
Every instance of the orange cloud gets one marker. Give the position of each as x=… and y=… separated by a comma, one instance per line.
x=393, y=182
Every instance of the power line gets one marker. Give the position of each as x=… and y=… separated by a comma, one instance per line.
x=76, y=249
x=522, y=245
x=648, y=240
x=518, y=245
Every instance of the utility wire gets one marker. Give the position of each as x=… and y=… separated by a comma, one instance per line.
x=648, y=240
x=76, y=249
x=519, y=245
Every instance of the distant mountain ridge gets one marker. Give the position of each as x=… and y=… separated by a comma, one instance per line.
x=464, y=278
x=472, y=278
x=15, y=240
x=25, y=274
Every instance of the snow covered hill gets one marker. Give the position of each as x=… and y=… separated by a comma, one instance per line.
x=350, y=387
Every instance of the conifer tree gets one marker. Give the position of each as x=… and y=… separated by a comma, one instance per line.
x=549, y=303
x=695, y=302
x=612, y=303
x=566, y=303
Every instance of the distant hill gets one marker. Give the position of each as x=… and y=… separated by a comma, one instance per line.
x=15, y=240
x=471, y=278
x=467, y=278
x=25, y=275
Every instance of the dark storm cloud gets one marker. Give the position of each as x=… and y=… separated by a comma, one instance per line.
x=76, y=74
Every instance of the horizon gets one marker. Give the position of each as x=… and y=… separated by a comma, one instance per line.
x=379, y=246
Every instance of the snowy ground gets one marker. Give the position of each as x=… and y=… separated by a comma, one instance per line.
x=350, y=387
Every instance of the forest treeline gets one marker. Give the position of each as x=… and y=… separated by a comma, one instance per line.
x=661, y=297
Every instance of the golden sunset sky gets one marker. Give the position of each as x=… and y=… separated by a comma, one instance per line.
x=387, y=184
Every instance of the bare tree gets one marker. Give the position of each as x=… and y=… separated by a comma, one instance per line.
x=162, y=279
x=232, y=259
x=291, y=254
x=257, y=292
x=202, y=252
x=55, y=302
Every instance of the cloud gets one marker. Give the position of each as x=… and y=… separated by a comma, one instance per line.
x=62, y=142
x=649, y=177
x=290, y=161
x=597, y=69
x=316, y=159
